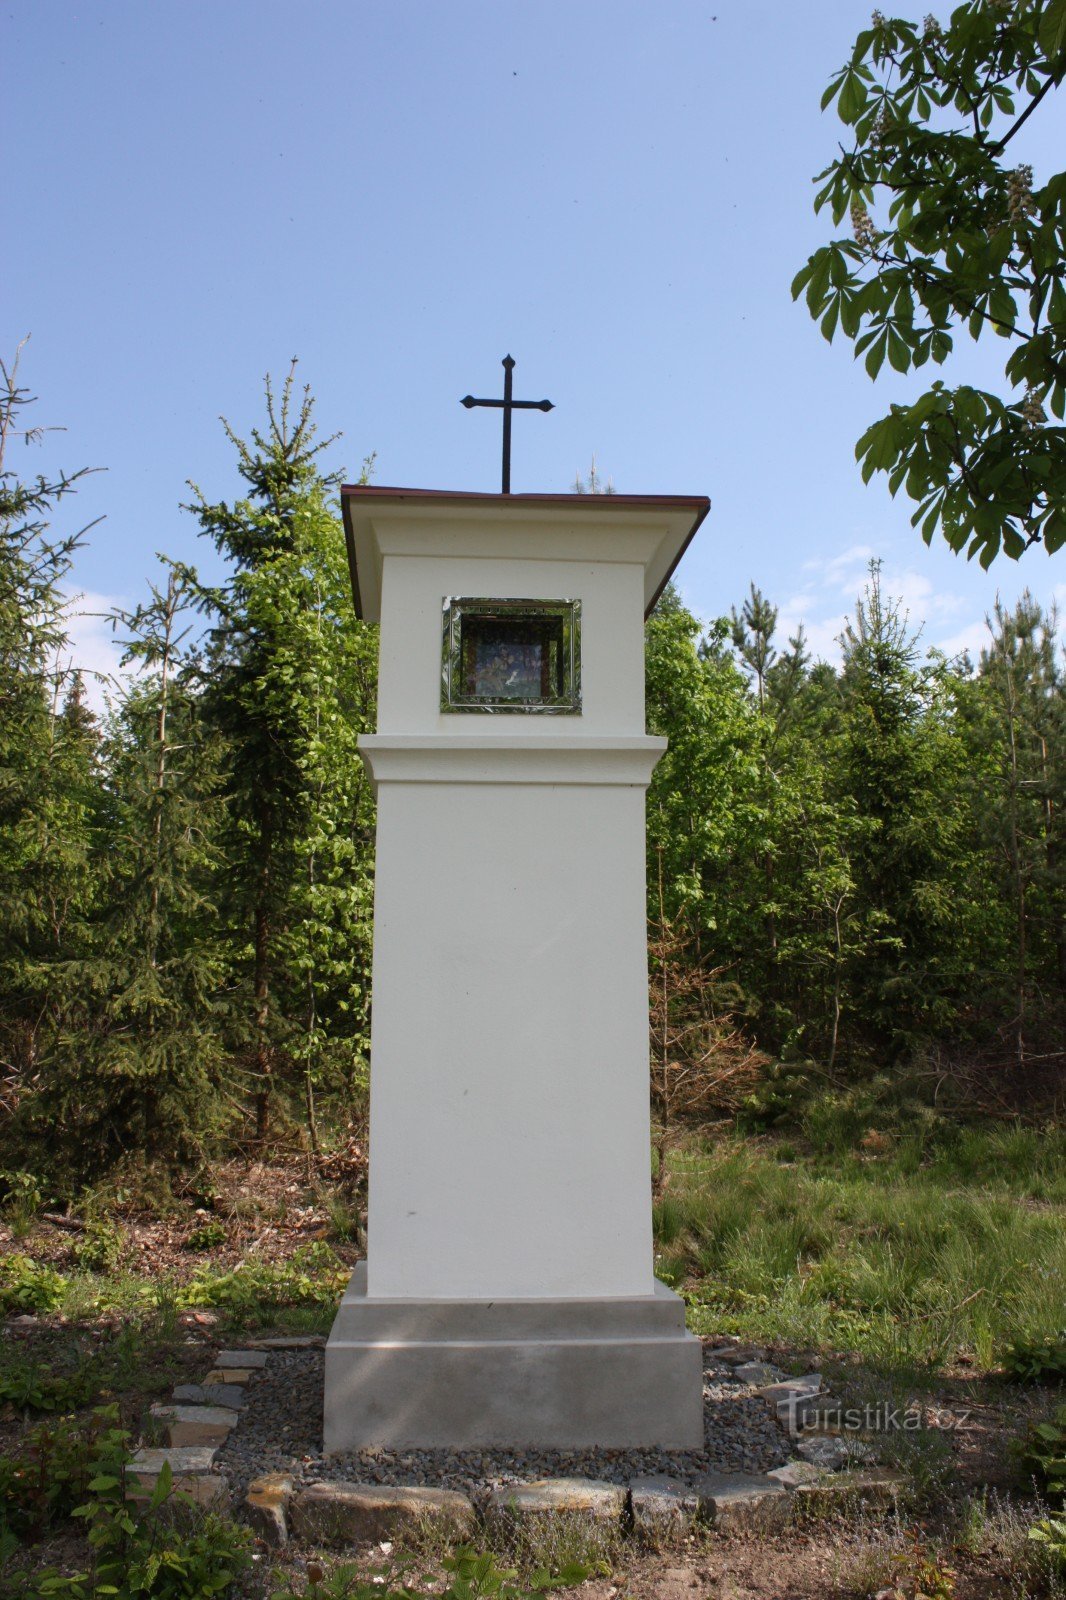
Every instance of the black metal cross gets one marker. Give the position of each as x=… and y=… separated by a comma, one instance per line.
x=507, y=405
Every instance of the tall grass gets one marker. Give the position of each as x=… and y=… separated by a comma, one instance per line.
x=955, y=1243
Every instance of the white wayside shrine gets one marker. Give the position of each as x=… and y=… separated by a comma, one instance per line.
x=508, y=1297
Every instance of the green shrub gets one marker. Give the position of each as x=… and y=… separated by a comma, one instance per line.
x=1050, y=1532
x=22, y=1199
x=26, y=1286
x=29, y=1386
x=1037, y=1360
x=313, y=1275
x=48, y=1473
x=100, y=1247
x=208, y=1236
x=167, y=1550
x=1044, y=1455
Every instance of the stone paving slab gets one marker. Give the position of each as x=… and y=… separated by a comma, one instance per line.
x=195, y=1425
x=586, y=1497
x=239, y=1375
x=794, y=1474
x=241, y=1358
x=344, y=1513
x=762, y=1372
x=662, y=1508
x=833, y=1453
x=742, y=1502
x=806, y=1387
x=266, y=1508
x=191, y=1467
x=231, y=1395
x=822, y=1413
x=877, y=1486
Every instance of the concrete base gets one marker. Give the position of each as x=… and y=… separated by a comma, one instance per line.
x=462, y=1374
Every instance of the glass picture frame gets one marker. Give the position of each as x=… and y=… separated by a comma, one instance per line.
x=511, y=655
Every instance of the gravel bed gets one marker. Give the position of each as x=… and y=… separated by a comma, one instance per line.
x=280, y=1430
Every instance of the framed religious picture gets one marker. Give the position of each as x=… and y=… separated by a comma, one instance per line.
x=511, y=655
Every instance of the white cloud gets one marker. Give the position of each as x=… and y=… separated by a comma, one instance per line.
x=92, y=648
x=845, y=570
x=829, y=596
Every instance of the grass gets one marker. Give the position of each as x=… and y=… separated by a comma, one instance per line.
x=948, y=1241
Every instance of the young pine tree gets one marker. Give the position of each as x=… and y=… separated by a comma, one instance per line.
x=49, y=783
x=1023, y=698
x=290, y=685
x=138, y=1071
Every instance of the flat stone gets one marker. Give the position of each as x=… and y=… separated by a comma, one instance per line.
x=877, y=1486
x=813, y=1413
x=228, y=1375
x=662, y=1508
x=344, y=1513
x=757, y=1372
x=794, y=1474
x=581, y=1496
x=737, y=1355
x=742, y=1502
x=266, y=1507
x=792, y=1388
x=212, y=1394
x=831, y=1454
x=191, y=1467
x=241, y=1358
x=193, y=1425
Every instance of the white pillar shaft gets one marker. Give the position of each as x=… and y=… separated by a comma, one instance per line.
x=509, y=1090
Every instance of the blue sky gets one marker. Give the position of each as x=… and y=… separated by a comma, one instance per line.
x=400, y=192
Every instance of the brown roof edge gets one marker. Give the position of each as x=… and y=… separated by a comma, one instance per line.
x=349, y=543
x=700, y=504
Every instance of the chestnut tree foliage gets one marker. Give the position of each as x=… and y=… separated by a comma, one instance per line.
x=950, y=233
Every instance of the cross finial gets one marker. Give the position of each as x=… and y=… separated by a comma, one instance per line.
x=507, y=405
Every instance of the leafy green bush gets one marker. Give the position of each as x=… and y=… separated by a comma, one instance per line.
x=25, y=1286
x=100, y=1247
x=208, y=1236
x=1044, y=1455
x=780, y=1095
x=1037, y=1360
x=165, y=1550
x=1051, y=1533
x=29, y=1386
x=48, y=1473
x=313, y=1275
x=22, y=1199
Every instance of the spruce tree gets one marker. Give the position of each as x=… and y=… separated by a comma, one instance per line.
x=290, y=685
x=49, y=791
x=137, y=1073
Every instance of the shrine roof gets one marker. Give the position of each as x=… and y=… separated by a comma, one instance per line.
x=698, y=505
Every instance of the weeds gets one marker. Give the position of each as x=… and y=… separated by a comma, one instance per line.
x=22, y=1199
x=312, y=1276
x=207, y=1236
x=1044, y=1455
x=1037, y=1360
x=465, y=1574
x=26, y=1286
x=100, y=1247
x=168, y=1549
